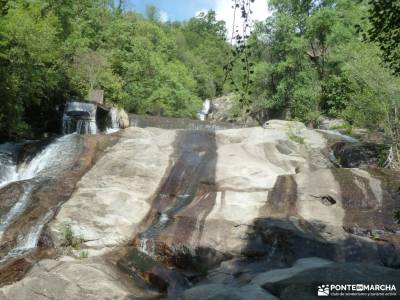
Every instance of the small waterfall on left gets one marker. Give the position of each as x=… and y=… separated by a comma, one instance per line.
x=8, y=168
x=113, y=125
x=20, y=181
x=80, y=117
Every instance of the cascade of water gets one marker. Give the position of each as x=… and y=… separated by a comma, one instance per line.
x=202, y=115
x=30, y=240
x=69, y=125
x=8, y=168
x=50, y=159
x=86, y=127
x=113, y=121
x=113, y=117
x=146, y=241
x=48, y=163
x=17, y=209
x=80, y=117
x=344, y=137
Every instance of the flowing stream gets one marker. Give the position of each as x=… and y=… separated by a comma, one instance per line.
x=28, y=176
x=195, y=155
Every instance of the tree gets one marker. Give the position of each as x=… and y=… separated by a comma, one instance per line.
x=152, y=13
x=51, y=51
x=29, y=64
x=88, y=65
x=384, y=17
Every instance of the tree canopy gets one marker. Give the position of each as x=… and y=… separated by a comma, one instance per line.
x=52, y=51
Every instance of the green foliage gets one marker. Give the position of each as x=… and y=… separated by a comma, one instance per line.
x=29, y=64
x=69, y=239
x=311, y=60
x=294, y=134
x=396, y=216
x=52, y=50
x=384, y=17
x=346, y=128
x=83, y=254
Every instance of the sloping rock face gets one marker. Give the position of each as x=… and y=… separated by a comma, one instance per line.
x=252, y=213
x=115, y=195
x=27, y=206
x=51, y=279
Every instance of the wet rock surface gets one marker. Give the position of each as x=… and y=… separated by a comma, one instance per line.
x=234, y=214
x=355, y=155
x=114, y=197
x=299, y=283
x=27, y=206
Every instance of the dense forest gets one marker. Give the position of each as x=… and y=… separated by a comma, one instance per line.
x=310, y=59
x=52, y=51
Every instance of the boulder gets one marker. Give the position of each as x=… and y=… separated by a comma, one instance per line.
x=69, y=279
x=221, y=109
x=298, y=283
x=122, y=118
x=226, y=292
x=301, y=265
x=355, y=155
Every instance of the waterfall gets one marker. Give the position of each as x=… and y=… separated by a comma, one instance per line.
x=17, y=209
x=29, y=241
x=113, y=121
x=8, y=168
x=113, y=117
x=337, y=133
x=80, y=117
x=202, y=115
x=86, y=127
x=50, y=160
x=147, y=245
x=48, y=163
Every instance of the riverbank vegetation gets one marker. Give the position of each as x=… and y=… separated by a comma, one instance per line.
x=332, y=58
x=53, y=51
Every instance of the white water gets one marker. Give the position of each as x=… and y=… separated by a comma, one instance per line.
x=50, y=160
x=146, y=242
x=202, y=115
x=17, y=209
x=111, y=130
x=86, y=127
x=8, y=168
x=48, y=163
x=29, y=241
x=113, y=117
x=344, y=137
x=145, y=248
x=80, y=117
